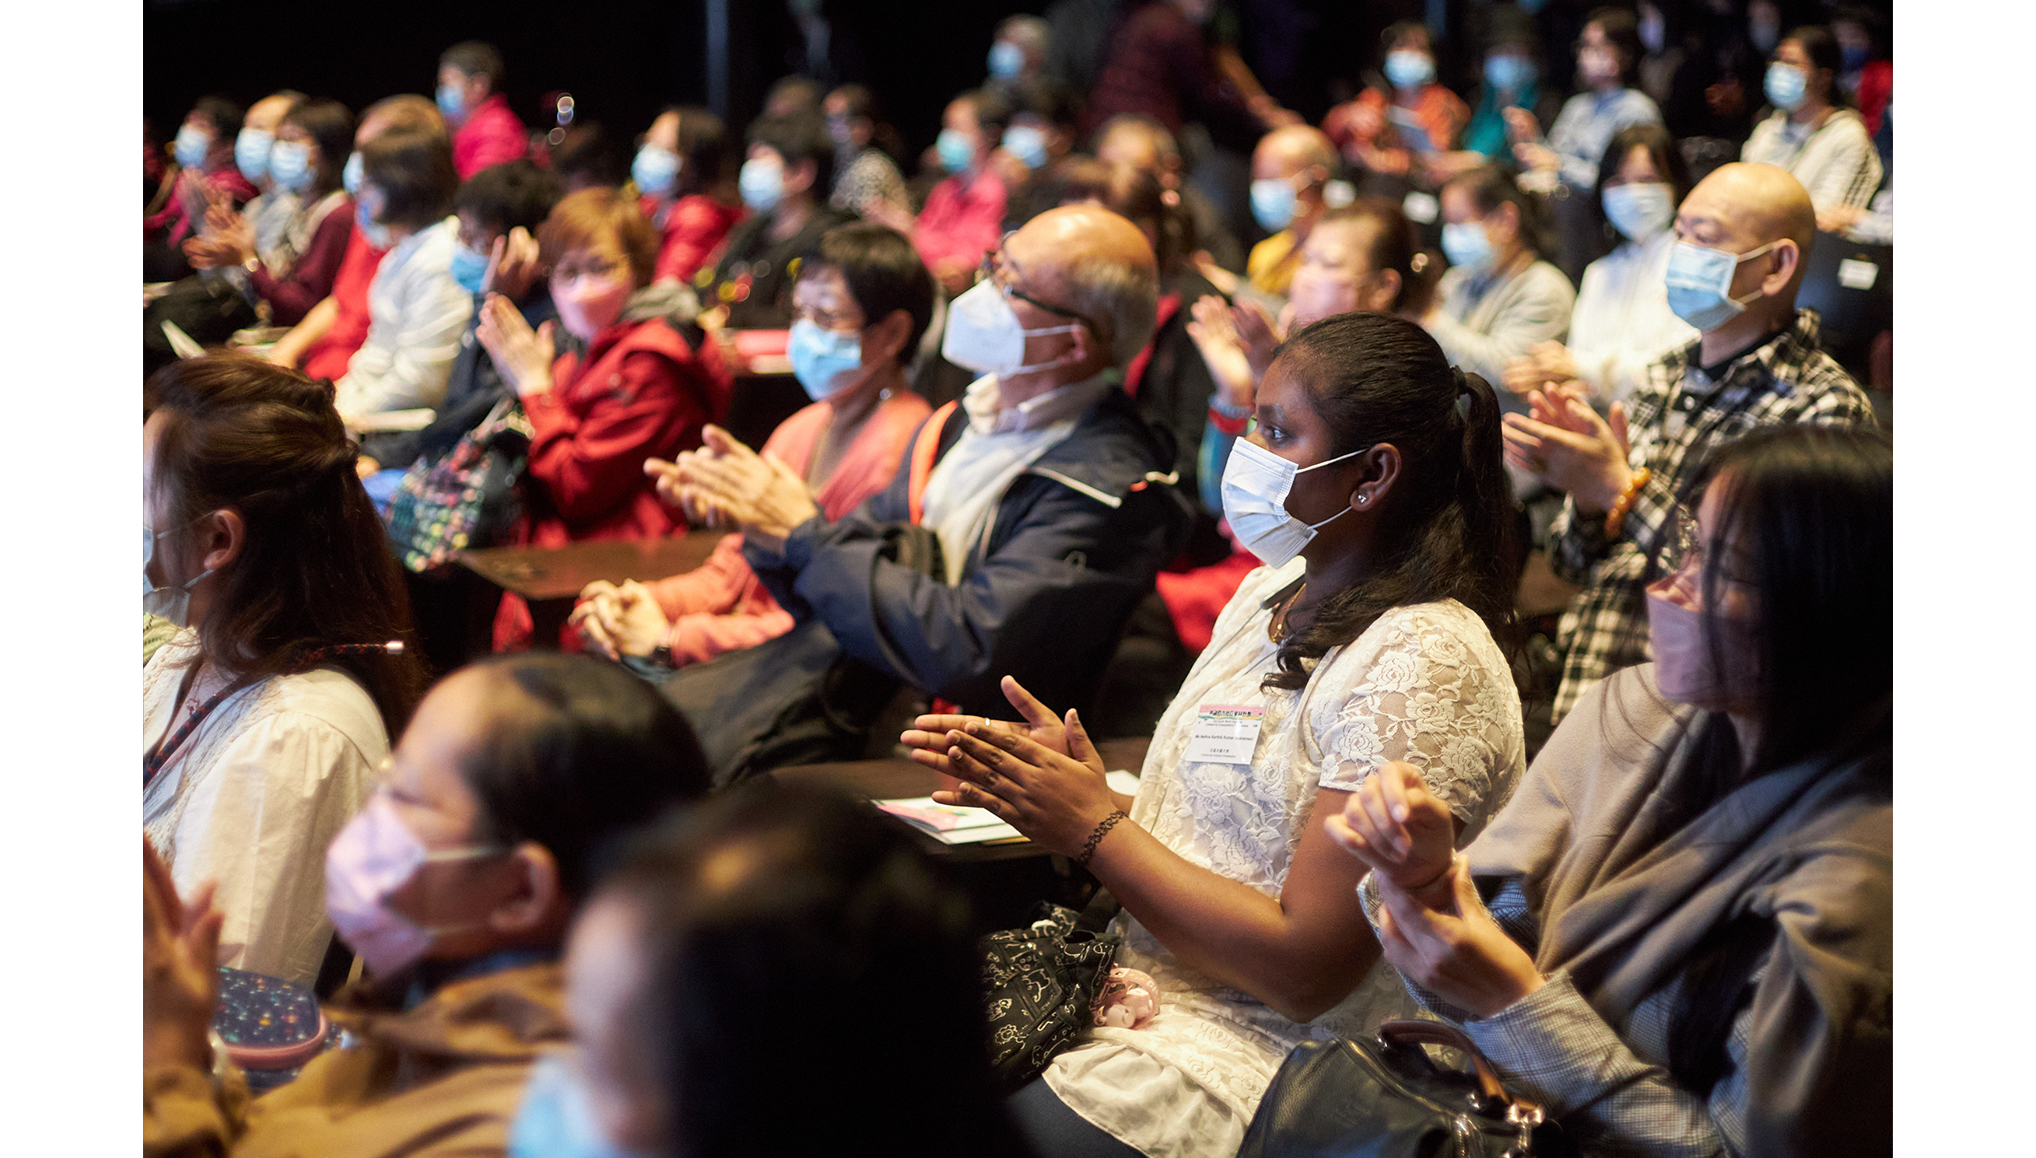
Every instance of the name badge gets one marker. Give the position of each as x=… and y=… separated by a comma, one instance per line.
x=1224, y=734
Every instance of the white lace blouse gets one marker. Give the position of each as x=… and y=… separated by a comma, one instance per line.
x=1425, y=684
x=252, y=798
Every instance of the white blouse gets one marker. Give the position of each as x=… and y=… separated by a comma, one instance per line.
x=1622, y=321
x=252, y=798
x=1425, y=684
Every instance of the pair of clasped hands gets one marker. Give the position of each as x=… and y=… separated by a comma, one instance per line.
x=1043, y=777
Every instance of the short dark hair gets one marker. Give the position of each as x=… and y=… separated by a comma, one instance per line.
x=1490, y=187
x=476, y=58
x=515, y=194
x=413, y=169
x=578, y=752
x=798, y=139
x=1825, y=56
x=591, y=152
x=1661, y=149
x=767, y=894
x=1622, y=28
x=883, y=273
x=330, y=125
x=993, y=112
x=225, y=116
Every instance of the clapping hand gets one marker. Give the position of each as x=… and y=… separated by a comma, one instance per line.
x=521, y=355
x=513, y=265
x=1570, y=448
x=1215, y=335
x=758, y=493
x=1055, y=799
x=1521, y=127
x=1544, y=363
x=1399, y=828
x=928, y=736
x=179, y=968
x=620, y=621
x=1456, y=951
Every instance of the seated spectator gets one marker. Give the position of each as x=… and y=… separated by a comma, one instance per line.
x=1288, y=170
x=1144, y=143
x=861, y=305
x=634, y=381
x=964, y=214
x=1047, y=492
x=1679, y=936
x=684, y=974
x=206, y=176
x=1621, y=321
x=689, y=196
x=1866, y=76
x=270, y=211
x=1608, y=52
x=790, y=166
x=265, y=714
x=1374, y=140
x=1387, y=586
x=1042, y=133
x=1510, y=79
x=1743, y=235
x=1018, y=55
x=1499, y=298
x=863, y=171
x=456, y=884
x=418, y=309
x=295, y=269
x=588, y=156
x=1812, y=133
x=470, y=96
x=326, y=340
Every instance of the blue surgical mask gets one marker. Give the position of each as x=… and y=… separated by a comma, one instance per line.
x=1406, y=68
x=763, y=183
x=251, y=153
x=171, y=603
x=1006, y=60
x=555, y=1120
x=376, y=235
x=192, y=145
x=1028, y=144
x=1509, y=73
x=655, y=170
x=469, y=268
x=956, y=151
x=1467, y=246
x=350, y=175
x=290, y=166
x=1700, y=283
x=1272, y=203
x=1640, y=211
x=449, y=101
x=824, y=361
x=1786, y=86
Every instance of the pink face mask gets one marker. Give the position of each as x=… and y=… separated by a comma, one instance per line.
x=370, y=859
x=1682, y=656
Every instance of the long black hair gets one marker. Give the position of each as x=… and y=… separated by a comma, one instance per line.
x=1447, y=530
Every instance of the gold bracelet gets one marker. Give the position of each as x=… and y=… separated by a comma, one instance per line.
x=1615, y=519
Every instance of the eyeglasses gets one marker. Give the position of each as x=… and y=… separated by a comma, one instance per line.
x=1688, y=553
x=998, y=267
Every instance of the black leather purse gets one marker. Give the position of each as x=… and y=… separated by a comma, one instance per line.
x=1384, y=1097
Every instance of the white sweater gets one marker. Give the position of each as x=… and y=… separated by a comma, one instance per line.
x=1835, y=161
x=1622, y=321
x=417, y=313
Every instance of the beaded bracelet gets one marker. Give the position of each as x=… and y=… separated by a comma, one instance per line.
x=1615, y=519
x=1096, y=837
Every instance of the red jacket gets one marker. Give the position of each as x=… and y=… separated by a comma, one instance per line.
x=490, y=135
x=328, y=356
x=694, y=227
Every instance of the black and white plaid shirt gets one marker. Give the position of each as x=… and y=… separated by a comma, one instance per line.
x=1674, y=419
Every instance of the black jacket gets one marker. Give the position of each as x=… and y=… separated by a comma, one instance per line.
x=1074, y=545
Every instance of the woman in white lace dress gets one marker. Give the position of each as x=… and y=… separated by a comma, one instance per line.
x=1373, y=644
x=264, y=717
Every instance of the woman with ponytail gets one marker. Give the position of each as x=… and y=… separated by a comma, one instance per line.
x=1372, y=487
x=264, y=718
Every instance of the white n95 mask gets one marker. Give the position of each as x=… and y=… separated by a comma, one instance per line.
x=1255, y=486
x=985, y=335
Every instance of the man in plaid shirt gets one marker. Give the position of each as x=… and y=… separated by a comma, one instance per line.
x=1758, y=364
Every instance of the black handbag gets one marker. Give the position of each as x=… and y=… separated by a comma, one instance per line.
x=1384, y=1097
x=1040, y=981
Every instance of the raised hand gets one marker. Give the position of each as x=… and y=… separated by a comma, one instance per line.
x=928, y=735
x=179, y=967
x=1458, y=952
x=1215, y=334
x=1575, y=451
x=1054, y=799
x=513, y=265
x=1394, y=824
x=523, y=356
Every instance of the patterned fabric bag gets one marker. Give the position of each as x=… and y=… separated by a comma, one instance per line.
x=466, y=499
x=1041, y=981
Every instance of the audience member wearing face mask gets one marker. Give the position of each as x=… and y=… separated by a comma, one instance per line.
x=1741, y=239
x=1018, y=54
x=1621, y=322
x=1288, y=169
x=964, y=214
x=1235, y=903
x=1363, y=129
x=1040, y=140
x=456, y=885
x=784, y=183
x=1499, y=298
x=864, y=171
x=1042, y=460
x=206, y=177
x=688, y=189
x=265, y=714
x=484, y=131
x=862, y=302
x=1812, y=133
x=269, y=212
x=326, y=340
x=683, y=976
x=1866, y=76
x=1718, y=979
x=613, y=383
x=1509, y=79
x=295, y=269
x=417, y=309
x=1607, y=53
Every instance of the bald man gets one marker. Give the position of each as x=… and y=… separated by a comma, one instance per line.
x=1743, y=236
x=1288, y=170
x=1052, y=501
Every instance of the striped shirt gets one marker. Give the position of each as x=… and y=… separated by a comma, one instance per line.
x=1835, y=161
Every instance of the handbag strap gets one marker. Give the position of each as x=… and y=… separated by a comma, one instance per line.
x=1410, y=1031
